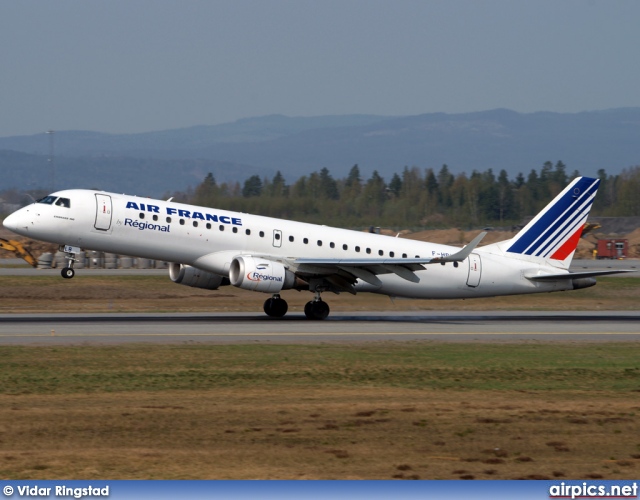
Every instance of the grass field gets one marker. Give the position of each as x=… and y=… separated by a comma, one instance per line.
x=379, y=411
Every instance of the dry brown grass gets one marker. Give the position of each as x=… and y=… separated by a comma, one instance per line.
x=323, y=433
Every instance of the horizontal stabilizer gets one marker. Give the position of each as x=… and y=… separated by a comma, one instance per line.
x=573, y=276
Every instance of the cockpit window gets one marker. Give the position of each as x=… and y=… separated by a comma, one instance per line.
x=48, y=200
x=64, y=202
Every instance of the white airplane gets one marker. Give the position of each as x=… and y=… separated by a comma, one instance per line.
x=209, y=248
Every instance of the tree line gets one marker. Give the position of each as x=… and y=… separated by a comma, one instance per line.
x=415, y=197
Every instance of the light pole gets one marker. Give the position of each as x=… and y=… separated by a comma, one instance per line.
x=51, y=160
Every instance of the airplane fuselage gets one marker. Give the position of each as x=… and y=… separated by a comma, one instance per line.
x=209, y=239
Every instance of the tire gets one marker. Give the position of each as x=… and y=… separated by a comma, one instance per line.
x=316, y=310
x=67, y=273
x=275, y=308
x=307, y=310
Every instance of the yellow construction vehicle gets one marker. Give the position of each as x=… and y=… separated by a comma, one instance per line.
x=17, y=248
x=588, y=227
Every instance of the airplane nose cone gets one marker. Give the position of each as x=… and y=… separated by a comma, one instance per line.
x=16, y=222
x=10, y=222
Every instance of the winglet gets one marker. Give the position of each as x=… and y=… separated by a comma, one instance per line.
x=464, y=252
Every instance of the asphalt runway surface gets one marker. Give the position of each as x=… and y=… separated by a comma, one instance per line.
x=449, y=326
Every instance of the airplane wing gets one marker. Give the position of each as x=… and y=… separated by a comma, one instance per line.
x=343, y=273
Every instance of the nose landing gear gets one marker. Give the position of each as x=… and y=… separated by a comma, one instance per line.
x=69, y=254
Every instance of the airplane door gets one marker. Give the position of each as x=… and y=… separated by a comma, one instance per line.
x=475, y=270
x=277, y=238
x=103, y=212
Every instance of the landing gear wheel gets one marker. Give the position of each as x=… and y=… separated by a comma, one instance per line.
x=316, y=310
x=68, y=273
x=276, y=307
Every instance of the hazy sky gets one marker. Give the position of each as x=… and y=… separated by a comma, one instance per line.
x=141, y=65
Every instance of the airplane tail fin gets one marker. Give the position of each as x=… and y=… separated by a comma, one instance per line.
x=554, y=233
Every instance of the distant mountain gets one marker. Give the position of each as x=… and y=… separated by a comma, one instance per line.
x=140, y=176
x=180, y=142
x=498, y=139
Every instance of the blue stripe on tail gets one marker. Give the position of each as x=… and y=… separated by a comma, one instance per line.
x=558, y=219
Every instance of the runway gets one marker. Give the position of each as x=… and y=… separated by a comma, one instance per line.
x=450, y=326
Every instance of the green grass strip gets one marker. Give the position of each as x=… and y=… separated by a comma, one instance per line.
x=542, y=367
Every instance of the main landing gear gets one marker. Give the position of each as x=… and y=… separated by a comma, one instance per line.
x=315, y=309
x=69, y=254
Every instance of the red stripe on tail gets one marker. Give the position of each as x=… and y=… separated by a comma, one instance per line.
x=568, y=246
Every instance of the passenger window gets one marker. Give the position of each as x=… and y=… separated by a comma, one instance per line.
x=155, y=217
x=291, y=239
x=208, y=225
x=332, y=244
x=261, y=234
x=169, y=220
x=182, y=222
x=380, y=253
x=235, y=229
x=221, y=227
x=247, y=232
x=195, y=223
x=368, y=250
x=319, y=243
x=392, y=254
x=141, y=215
x=345, y=247
x=357, y=249
x=305, y=241
x=404, y=255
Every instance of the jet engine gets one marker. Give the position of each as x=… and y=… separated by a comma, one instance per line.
x=260, y=275
x=192, y=276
